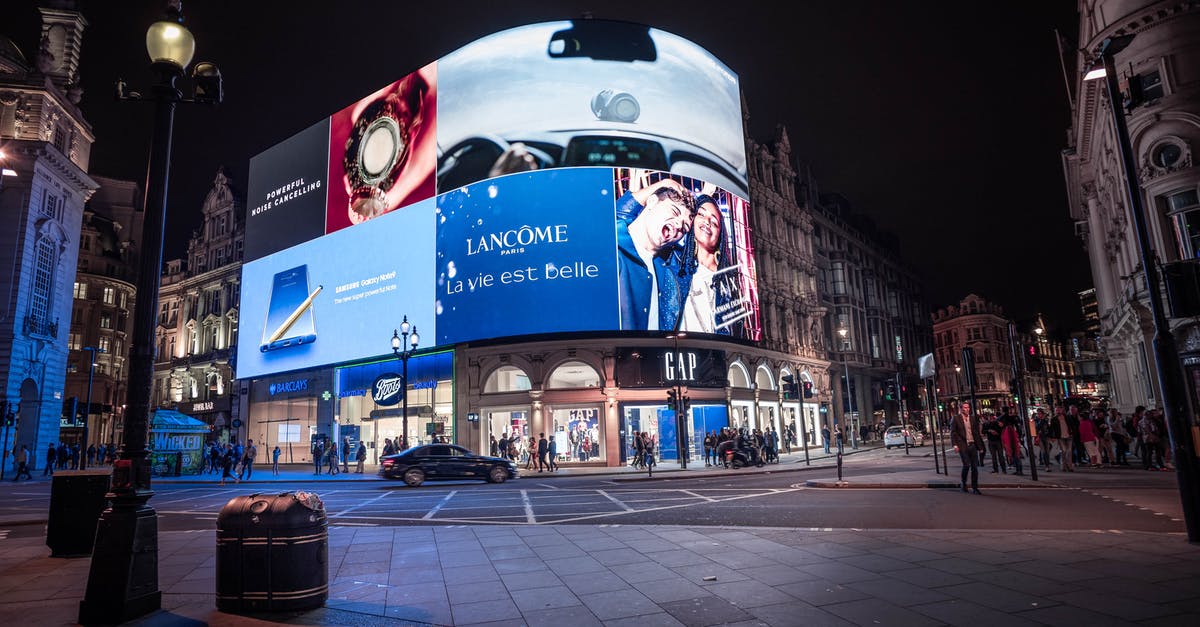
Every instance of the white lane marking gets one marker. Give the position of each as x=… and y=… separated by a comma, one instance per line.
x=359, y=506
x=699, y=496
x=655, y=509
x=528, y=508
x=354, y=524
x=615, y=500
x=546, y=485
x=439, y=505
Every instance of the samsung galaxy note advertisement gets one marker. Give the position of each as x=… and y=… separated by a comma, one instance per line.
x=338, y=297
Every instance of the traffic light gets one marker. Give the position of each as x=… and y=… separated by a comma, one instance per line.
x=889, y=392
x=789, y=387
x=672, y=400
x=1033, y=360
x=808, y=389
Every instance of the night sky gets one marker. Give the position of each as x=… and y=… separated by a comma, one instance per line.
x=942, y=121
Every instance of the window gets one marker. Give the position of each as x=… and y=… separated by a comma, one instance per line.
x=839, y=278
x=74, y=341
x=110, y=296
x=62, y=139
x=573, y=374
x=123, y=300
x=52, y=206
x=105, y=320
x=212, y=302
x=1150, y=84
x=80, y=291
x=104, y=345
x=43, y=282
x=117, y=346
x=1184, y=209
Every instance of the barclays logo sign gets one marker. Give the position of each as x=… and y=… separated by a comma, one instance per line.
x=297, y=385
x=388, y=389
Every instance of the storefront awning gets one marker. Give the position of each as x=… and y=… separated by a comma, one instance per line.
x=176, y=422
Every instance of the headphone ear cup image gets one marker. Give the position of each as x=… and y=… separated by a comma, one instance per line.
x=614, y=106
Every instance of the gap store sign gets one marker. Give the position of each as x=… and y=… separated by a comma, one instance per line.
x=539, y=180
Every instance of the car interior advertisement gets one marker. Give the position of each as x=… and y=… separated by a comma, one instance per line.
x=590, y=92
x=382, y=150
x=526, y=253
x=334, y=299
x=286, y=193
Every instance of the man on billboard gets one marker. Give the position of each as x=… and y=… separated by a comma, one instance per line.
x=648, y=276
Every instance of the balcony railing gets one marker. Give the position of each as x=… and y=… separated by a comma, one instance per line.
x=34, y=326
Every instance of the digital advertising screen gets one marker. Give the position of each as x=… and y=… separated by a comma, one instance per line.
x=563, y=177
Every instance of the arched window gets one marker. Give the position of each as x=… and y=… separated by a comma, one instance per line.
x=738, y=377
x=573, y=374
x=506, y=379
x=763, y=379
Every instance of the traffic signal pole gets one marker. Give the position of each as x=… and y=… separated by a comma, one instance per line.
x=1022, y=407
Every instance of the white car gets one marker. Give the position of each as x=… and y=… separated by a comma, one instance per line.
x=895, y=436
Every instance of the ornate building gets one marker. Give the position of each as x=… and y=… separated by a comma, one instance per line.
x=879, y=323
x=198, y=316
x=46, y=143
x=101, y=319
x=1160, y=72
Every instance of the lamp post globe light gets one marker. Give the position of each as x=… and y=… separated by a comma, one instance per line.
x=853, y=425
x=404, y=342
x=123, y=576
x=1181, y=426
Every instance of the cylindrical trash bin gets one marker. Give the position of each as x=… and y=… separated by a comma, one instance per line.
x=272, y=553
x=77, y=498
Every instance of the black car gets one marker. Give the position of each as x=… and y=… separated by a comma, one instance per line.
x=445, y=461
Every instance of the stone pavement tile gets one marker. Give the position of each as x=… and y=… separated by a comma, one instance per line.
x=776, y=574
x=1070, y=615
x=483, y=611
x=662, y=619
x=838, y=572
x=737, y=560
x=997, y=597
x=699, y=574
x=642, y=571
x=206, y=573
x=833, y=550
x=416, y=593
x=535, y=579
x=748, y=593
x=671, y=589
x=349, y=569
x=989, y=556
x=511, y=622
x=793, y=556
x=959, y=612
x=707, y=610
x=820, y=592
x=619, y=556
x=510, y=551
x=898, y=591
x=796, y=613
x=575, y=616
x=1027, y=583
x=597, y=544
x=755, y=545
x=559, y=551
x=958, y=565
x=432, y=612
x=876, y=563
x=424, y=574
x=619, y=604
x=518, y=565
x=469, y=574
x=1118, y=605
x=463, y=558
x=477, y=591
x=587, y=583
x=538, y=599
x=1065, y=574
x=878, y=612
x=575, y=565
x=682, y=557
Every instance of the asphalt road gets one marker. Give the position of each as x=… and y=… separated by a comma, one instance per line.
x=1129, y=501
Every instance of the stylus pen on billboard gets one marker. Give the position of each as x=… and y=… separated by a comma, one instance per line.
x=287, y=324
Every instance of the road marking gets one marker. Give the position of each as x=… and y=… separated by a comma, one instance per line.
x=546, y=485
x=699, y=496
x=528, y=508
x=615, y=500
x=354, y=524
x=439, y=505
x=359, y=506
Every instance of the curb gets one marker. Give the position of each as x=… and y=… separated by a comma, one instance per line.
x=684, y=474
x=20, y=522
x=940, y=485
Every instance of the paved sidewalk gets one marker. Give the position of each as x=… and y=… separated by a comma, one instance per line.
x=646, y=575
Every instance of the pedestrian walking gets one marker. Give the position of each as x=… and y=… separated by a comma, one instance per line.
x=543, y=449
x=1010, y=440
x=361, y=456
x=91, y=454
x=552, y=453
x=825, y=437
x=249, y=454
x=1063, y=428
x=967, y=439
x=227, y=463
x=22, y=459
x=345, y=450
x=992, y=430
x=331, y=458
x=51, y=459
x=275, y=460
x=318, y=455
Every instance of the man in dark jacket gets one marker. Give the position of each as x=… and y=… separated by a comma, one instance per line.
x=968, y=441
x=992, y=430
x=1063, y=428
x=543, y=449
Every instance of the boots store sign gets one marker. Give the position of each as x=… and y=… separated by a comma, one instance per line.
x=388, y=389
x=659, y=367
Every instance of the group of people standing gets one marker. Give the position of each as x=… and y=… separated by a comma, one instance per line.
x=61, y=457
x=236, y=461
x=764, y=444
x=325, y=455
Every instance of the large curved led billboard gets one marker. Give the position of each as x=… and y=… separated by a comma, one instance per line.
x=563, y=177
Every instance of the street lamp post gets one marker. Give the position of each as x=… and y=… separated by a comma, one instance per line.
x=88, y=415
x=404, y=342
x=123, y=577
x=854, y=420
x=1166, y=354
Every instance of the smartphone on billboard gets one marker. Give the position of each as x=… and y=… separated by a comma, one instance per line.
x=289, y=313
